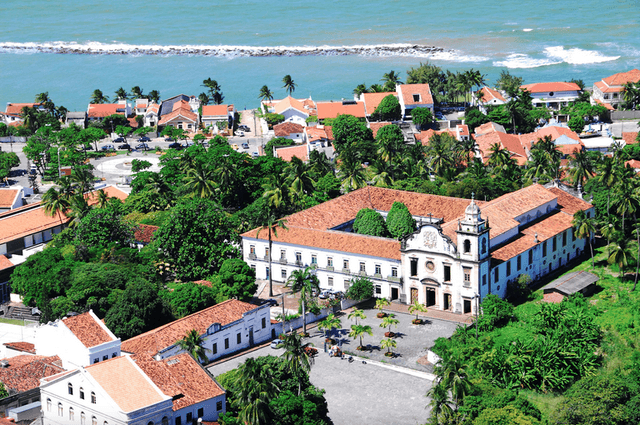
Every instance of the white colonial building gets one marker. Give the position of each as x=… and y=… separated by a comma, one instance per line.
x=461, y=249
x=553, y=95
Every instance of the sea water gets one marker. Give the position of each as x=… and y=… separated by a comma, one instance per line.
x=328, y=47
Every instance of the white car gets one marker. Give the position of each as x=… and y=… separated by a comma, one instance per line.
x=276, y=343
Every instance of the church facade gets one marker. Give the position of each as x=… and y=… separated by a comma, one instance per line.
x=461, y=251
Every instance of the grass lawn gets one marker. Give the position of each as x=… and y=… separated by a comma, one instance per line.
x=12, y=321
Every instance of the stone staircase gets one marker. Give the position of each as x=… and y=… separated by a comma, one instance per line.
x=21, y=313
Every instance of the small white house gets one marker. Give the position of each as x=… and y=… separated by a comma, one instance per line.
x=552, y=95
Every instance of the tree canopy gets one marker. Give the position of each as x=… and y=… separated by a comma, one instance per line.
x=370, y=222
x=399, y=221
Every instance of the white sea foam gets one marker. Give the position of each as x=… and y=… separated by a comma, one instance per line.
x=456, y=56
x=576, y=56
x=527, y=30
x=96, y=48
x=519, y=60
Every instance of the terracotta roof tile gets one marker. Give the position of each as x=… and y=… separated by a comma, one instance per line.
x=376, y=126
x=203, y=282
x=180, y=375
x=425, y=135
x=318, y=133
x=215, y=110
x=144, y=233
x=621, y=78
x=7, y=196
x=289, y=102
x=16, y=108
x=287, y=153
x=569, y=204
x=488, y=127
x=125, y=383
x=629, y=137
x=510, y=142
x=87, y=329
x=554, y=131
x=422, y=90
x=490, y=94
x=153, y=341
x=372, y=100
x=5, y=263
x=284, y=129
x=333, y=109
x=180, y=109
x=24, y=372
x=101, y=110
x=27, y=347
x=550, y=87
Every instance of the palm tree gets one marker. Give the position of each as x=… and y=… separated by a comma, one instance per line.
x=121, y=94
x=329, y=323
x=204, y=99
x=351, y=171
x=551, y=155
x=271, y=223
x=103, y=198
x=54, y=203
x=275, y=190
x=154, y=96
x=582, y=168
x=83, y=178
x=451, y=372
x=299, y=179
x=257, y=387
x=358, y=331
x=297, y=360
x=305, y=282
x=357, y=314
x=500, y=159
x=97, y=97
x=620, y=252
x=381, y=303
x=193, y=343
x=389, y=321
x=360, y=89
x=226, y=174
x=319, y=164
x=440, y=403
x=215, y=92
x=391, y=79
x=289, y=85
x=199, y=182
x=78, y=209
x=265, y=94
x=382, y=173
x=136, y=92
x=388, y=343
x=584, y=228
x=416, y=308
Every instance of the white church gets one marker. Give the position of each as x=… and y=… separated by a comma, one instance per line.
x=462, y=250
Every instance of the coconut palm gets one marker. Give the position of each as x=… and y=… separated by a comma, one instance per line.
x=54, y=203
x=297, y=360
x=121, y=94
x=136, y=92
x=275, y=190
x=98, y=97
x=440, y=403
x=351, y=171
x=289, y=85
x=500, y=159
x=304, y=282
x=357, y=314
x=391, y=79
x=451, y=372
x=584, y=228
x=416, y=308
x=329, y=323
x=388, y=343
x=582, y=168
x=78, y=209
x=215, y=91
x=154, y=96
x=271, y=223
x=103, y=198
x=204, y=99
x=199, y=182
x=193, y=343
x=382, y=173
x=389, y=321
x=358, y=331
x=619, y=253
x=360, y=90
x=265, y=94
x=83, y=178
x=257, y=386
x=319, y=164
x=299, y=179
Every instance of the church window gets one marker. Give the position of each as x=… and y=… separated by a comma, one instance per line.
x=530, y=257
x=447, y=273
x=70, y=388
x=484, y=246
x=414, y=267
x=394, y=272
x=508, y=268
x=82, y=418
x=467, y=246
x=497, y=274
x=467, y=274
x=544, y=249
x=484, y=279
x=564, y=239
x=519, y=262
x=555, y=244
x=378, y=269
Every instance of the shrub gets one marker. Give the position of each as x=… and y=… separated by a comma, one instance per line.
x=422, y=117
x=370, y=222
x=388, y=109
x=495, y=312
x=361, y=288
x=399, y=221
x=576, y=123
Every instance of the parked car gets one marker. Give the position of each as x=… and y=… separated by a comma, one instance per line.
x=244, y=128
x=325, y=294
x=270, y=301
x=108, y=147
x=144, y=139
x=142, y=146
x=239, y=134
x=235, y=147
x=169, y=139
x=175, y=145
x=338, y=295
x=245, y=146
x=119, y=140
x=255, y=154
x=276, y=343
x=124, y=146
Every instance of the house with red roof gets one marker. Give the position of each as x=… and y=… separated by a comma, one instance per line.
x=98, y=111
x=610, y=91
x=462, y=249
x=151, y=115
x=372, y=100
x=294, y=110
x=488, y=96
x=85, y=338
x=214, y=114
x=12, y=198
x=286, y=153
x=566, y=140
x=13, y=113
x=182, y=117
x=346, y=107
x=414, y=96
x=553, y=95
x=290, y=130
x=490, y=134
x=318, y=136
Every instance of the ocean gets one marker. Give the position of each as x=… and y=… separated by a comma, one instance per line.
x=328, y=47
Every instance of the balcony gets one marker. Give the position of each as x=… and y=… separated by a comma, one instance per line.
x=394, y=279
x=252, y=256
x=283, y=261
x=329, y=268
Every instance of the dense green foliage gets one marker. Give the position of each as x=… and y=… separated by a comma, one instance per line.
x=8, y=160
x=370, y=222
x=400, y=222
x=276, y=141
x=576, y=123
x=388, y=109
x=234, y=280
x=360, y=288
x=422, y=117
x=189, y=298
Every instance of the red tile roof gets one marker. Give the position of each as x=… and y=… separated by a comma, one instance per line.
x=372, y=100
x=5, y=263
x=27, y=347
x=16, y=108
x=180, y=109
x=165, y=336
x=555, y=132
x=87, y=329
x=287, y=128
x=203, y=282
x=408, y=90
x=510, y=142
x=125, y=383
x=490, y=94
x=144, y=233
x=215, y=110
x=489, y=127
x=569, y=204
x=287, y=153
x=425, y=135
x=180, y=375
x=630, y=137
x=376, y=126
x=621, y=78
x=24, y=372
x=333, y=109
x=289, y=102
x=101, y=110
x=319, y=133
x=550, y=87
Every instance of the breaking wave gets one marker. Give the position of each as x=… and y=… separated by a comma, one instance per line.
x=553, y=56
x=96, y=48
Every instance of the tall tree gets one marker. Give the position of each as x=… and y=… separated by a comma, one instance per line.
x=289, y=85
x=257, y=387
x=359, y=331
x=136, y=93
x=199, y=181
x=154, y=96
x=122, y=94
x=265, y=94
x=193, y=343
x=54, y=203
x=271, y=224
x=391, y=79
x=304, y=282
x=215, y=92
x=98, y=97
x=584, y=228
x=298, y=361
